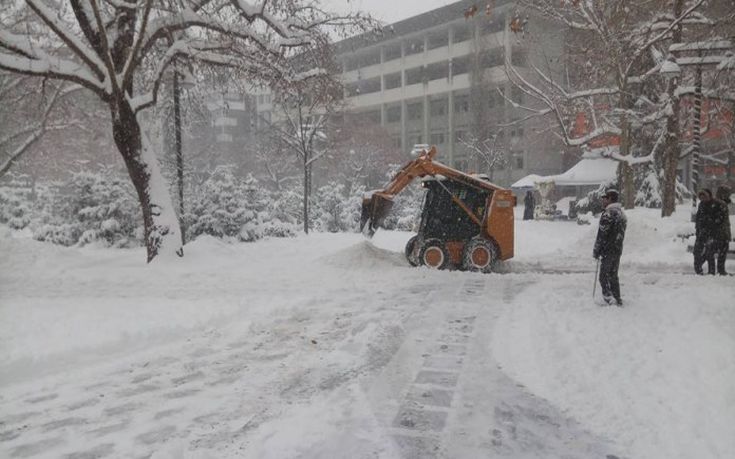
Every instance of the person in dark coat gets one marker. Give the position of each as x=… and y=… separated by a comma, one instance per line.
x=705, y=224
x=529, y=205
x=609, y=246
x=721, y=234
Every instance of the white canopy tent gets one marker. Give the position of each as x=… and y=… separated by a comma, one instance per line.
x=594, y=169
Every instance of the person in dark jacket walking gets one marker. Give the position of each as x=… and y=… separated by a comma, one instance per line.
x=609, y=246
x=705, y=224
x=722, y=234
x=529, y=205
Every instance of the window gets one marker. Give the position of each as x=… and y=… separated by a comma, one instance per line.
x=459, y=135
x=414, y=75
x=462, y=33
x=415, y=46
x=437, y=138
x=462, y=103
x=438, y=107
x=415, y=111
x=395, y=141
x=438, y=39
x=460, y=65
x=518, y=159
x=372, y=58
x=392, y=51
x=415, y=139
x=392, y=80
x=261, y=98
x=363, y=87
x=491, y=58
x=393, y=114
x=370, y=85
x=352, y=89
x=371, y=117
x=437, y=71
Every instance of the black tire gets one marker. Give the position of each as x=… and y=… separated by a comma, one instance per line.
x=434, y=254
x=479, y=255
x=411, y=251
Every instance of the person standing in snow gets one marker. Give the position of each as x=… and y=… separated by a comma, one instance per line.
x=705, y=226
x=529, y=204
x=609, y=246
x=722, y=234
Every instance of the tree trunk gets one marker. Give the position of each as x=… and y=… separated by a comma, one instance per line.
x=671, y=160
x=625, y=171
x=161, y=227
x=306, y=196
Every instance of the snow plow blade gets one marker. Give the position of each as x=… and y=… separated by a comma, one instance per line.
x=375, y=207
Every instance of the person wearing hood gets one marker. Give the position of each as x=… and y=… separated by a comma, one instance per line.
x=705, y=224
x=529, y=204
x=721, y=234
x=609, y=246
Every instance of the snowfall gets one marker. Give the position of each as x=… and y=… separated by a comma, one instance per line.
x=331, y=346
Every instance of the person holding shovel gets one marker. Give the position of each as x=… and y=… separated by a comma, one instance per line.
x=609, y=246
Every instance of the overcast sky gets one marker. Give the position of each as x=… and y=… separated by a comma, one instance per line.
x=389, y=11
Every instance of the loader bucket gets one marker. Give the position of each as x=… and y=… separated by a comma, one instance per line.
x=375, y=207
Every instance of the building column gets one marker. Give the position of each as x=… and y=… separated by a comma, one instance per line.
x=450, y=126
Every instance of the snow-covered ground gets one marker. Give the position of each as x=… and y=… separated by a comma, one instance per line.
x=329, y=346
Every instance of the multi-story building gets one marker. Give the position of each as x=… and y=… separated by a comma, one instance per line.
x=439, y=77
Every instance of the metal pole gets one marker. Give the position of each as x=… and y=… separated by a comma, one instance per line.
x=179, y=155
x=594, y=284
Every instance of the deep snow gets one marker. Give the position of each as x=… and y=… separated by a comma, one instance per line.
x=328, y=346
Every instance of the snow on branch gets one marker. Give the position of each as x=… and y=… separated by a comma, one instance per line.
x=77, y=46
x=51, y=66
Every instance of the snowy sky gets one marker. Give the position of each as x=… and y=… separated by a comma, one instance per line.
x=389, y=11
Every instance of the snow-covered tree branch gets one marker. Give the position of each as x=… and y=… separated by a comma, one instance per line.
x=121, y=50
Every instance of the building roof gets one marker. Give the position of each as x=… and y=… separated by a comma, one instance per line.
x=595, y=168
x=423, y=21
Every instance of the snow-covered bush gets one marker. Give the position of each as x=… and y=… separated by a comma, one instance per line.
x=66, y=234
x=649, y=190
x=284, y=213
x=329, y=207
x=93, y=208
x=228, y=207
x=15, y=207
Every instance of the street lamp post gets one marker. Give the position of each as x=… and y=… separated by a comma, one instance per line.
x=178, y=84
x=672, y=67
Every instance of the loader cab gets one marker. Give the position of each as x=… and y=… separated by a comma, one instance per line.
x=442, y=218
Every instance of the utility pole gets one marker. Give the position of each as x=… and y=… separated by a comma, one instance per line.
x=179, y=155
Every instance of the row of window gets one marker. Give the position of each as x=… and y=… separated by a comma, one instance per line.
x=441, y=137
x=434, y=71
x=440, y=107
x=415, y=45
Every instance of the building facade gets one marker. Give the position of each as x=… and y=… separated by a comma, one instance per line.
x=440, y=78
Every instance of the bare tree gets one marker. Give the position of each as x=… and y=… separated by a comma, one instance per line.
x=304, y=114
x=121, y=49
x=613, y=54
x=489, y=154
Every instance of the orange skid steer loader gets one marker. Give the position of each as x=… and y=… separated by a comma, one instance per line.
x=466, y=221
